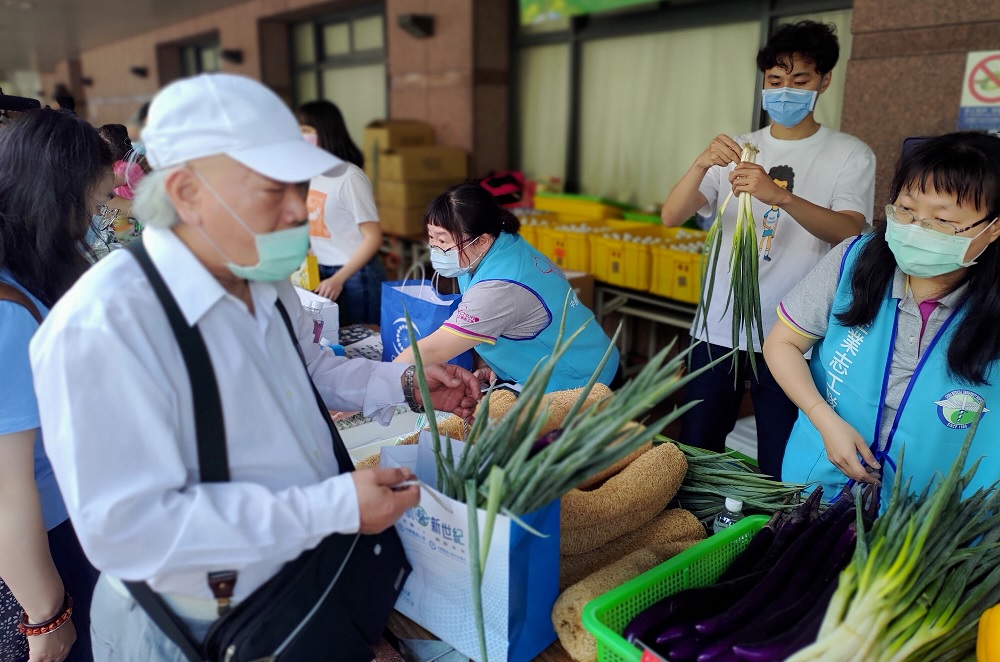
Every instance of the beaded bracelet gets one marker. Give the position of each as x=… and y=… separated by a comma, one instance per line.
x=51, y=625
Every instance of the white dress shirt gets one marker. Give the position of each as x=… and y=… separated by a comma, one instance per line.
x=116, y=408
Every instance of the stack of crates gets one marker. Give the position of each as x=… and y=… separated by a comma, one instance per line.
x=675, y=268
x=579, y=206
x=569, y=243
x=624, y=258
x=532, y=220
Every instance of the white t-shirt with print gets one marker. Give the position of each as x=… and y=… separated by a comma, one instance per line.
x=830, y=169
x=339, y=200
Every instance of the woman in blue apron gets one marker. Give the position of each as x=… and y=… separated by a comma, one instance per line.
x=512, y=297
x=904, y=329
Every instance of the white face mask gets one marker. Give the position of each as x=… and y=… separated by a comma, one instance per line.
x=446, y=263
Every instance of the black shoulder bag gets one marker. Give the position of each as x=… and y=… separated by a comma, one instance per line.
x=331, y=603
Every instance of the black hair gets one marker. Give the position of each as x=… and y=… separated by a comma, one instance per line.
x=50, y=161
x=468, y=211
x=64, y=98
x=814, y=42
x=783, y=173
x=326, y=118
x=116, y=135
x=967, y=166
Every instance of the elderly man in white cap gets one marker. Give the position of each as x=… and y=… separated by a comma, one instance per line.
x=226, y=225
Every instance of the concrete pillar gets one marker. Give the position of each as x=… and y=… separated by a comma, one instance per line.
x=906, y=72
x=456, y=80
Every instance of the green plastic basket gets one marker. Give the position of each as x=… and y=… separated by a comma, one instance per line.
x=606, y=616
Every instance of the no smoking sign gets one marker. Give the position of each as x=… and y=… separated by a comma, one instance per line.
x=980, y=104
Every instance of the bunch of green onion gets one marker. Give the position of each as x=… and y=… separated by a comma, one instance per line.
x=744, y=287
x=920, y=579
x=711, y=477
x=502, y=469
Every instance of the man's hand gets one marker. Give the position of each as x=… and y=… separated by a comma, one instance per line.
x=330, y=288
x=453, y=389
x=378, y=505
x=753, y=179
x=843, y=444
x=54, y=646
x=722, y=151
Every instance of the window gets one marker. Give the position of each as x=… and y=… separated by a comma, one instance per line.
x=341, y=58
x=200, y=58
x=620, y=105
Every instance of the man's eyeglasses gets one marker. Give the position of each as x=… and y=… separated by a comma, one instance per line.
x=906, y=217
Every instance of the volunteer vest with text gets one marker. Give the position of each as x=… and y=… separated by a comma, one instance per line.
x=850, y=367
x=514, y=260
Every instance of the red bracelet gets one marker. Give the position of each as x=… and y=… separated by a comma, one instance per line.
x=51, y=625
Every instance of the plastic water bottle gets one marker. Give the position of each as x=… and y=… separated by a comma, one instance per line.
x=315, y=310
x=731, y=514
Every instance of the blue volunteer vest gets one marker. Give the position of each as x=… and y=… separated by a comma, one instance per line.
x=513, y=260
x=850, y=367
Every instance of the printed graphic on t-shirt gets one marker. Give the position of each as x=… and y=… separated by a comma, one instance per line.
x=316, y=203
x=784, y=177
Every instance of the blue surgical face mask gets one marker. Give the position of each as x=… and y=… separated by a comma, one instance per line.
x=926, y=253
x=788, y=106
x=446, y=263
x=279, y=253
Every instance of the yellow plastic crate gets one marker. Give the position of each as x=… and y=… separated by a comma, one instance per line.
x=676, y=274
x=624, y=258
x=531, y=221
x=579, y=205
x=570, y=250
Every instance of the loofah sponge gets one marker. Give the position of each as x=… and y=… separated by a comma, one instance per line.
x=566, y=613
x=668, y=534
x=624, y=502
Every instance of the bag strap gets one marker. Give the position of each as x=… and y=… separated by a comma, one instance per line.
x=339, y=449
x=15, y=295
x=210, y=428
x=213, y=462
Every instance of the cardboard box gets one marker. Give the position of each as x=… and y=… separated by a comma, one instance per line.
x=382, y=135
x=429, y=163
x=402, y=221
x=583, y=285
x=403, y=195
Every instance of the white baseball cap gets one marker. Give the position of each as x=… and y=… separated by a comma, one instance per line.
x=233, y=115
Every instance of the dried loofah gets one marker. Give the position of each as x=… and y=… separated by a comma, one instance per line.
x=624, y=502
x=668, y=534
x=566, y=613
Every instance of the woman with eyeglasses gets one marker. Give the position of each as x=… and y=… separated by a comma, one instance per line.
x=512, y=297
x=54, y=173
x=903, y=329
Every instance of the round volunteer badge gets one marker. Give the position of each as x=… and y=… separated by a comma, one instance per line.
x=958, y=409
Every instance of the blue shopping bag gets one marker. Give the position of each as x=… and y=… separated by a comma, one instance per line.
x=520, y=584
x=428, y=311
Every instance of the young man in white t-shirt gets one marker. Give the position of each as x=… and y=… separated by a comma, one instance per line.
x=812, y=187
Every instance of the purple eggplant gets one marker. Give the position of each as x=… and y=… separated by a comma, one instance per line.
x=685, y=650
x=544, y=441
x=774, y=583
x=675, y=632
x=689, y=604
x=790, y=528
x=745, y=561
x=791, y=639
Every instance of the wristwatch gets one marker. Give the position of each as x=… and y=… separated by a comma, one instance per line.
x=408, y=382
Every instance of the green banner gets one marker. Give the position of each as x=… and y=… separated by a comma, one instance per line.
x=536, y=11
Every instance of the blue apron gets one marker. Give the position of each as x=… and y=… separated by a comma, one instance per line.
x=850, y=367
x=512, y=259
